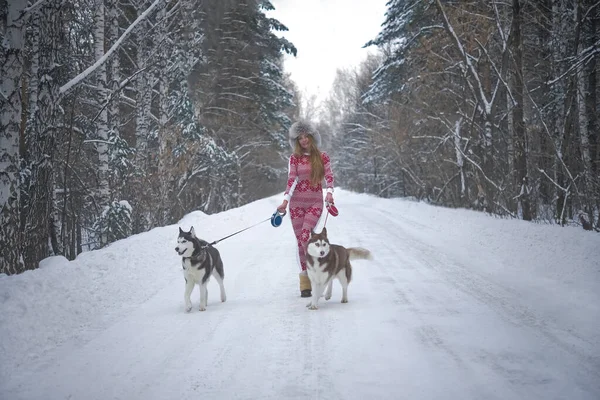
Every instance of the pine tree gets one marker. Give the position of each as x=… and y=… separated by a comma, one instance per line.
x=114, y=223
x=241, y=93
x=406, y=22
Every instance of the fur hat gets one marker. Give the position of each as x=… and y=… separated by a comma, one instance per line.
x=303, y=128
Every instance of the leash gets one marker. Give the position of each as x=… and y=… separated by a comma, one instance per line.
x=275, y=219
x=235, y=233
x=326, y=215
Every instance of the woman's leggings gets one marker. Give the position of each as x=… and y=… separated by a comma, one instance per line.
x=305, y=210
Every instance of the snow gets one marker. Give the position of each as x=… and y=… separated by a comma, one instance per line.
x=455, y=305
x=82, y=76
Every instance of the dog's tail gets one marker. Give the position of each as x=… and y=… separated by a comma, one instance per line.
x=358, y=253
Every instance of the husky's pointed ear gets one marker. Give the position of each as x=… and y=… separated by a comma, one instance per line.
x=324, y=232
x=192, y=232
x=180, y=230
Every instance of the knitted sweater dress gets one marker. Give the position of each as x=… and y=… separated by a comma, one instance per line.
x=305, y=201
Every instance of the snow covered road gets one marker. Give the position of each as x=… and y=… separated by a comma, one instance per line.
x=455, y=305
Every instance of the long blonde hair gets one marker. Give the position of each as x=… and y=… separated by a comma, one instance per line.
x=317, y=169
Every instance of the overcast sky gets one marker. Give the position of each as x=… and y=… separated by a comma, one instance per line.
x=329, y=34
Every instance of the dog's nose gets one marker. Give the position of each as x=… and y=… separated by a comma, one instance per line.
x=322, y=253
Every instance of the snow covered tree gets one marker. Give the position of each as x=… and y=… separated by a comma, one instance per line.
x=108, y=101
x=497, y=102
x=406, y=23
x=241, y=92
x=516, y=110
x=144, y=85
x=13, y=28
x=40, y=138
x=587, y=19
x=114, y=223
x=364, y=150
x=101, y=122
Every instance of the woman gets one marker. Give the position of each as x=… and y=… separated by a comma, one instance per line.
x=308, y=167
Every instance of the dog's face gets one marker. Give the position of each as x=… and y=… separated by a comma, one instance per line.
x=185, y=244
x=318, y=244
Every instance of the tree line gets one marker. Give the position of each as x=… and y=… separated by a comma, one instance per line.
x=120, y=116
x=489, y=105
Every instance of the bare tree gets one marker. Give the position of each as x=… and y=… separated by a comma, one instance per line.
x=446, y=65
x=11, y=261
x=102, y=128
x=518, y=124
x=585, y=40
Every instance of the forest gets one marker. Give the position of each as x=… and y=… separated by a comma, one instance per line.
x=119, y=116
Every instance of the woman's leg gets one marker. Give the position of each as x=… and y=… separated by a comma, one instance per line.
x=311, y=218
x=305, y=211
x=297, y=216
x=303, y=222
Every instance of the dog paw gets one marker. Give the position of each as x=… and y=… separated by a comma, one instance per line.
x=202, y=309
x=188, y=309
x=327, y=297
x=344, y=300
x=312, y=307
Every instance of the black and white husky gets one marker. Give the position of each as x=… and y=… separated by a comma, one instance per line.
x=327, y=261
x=199, y=260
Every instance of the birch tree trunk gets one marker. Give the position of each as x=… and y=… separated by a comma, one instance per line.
x=102, y=121
x=11, y=261
x=593, y=107
x=163, y=110
x=460, y=160
x=112, y=8
x=144, y=90
x=38, y=218
x=34, y=68
x=510, y=145
x=583, y=94
x=49, y=101
x=520, y=135
x=561, y=25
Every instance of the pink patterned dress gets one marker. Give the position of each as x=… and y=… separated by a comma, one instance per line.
x=305, y=201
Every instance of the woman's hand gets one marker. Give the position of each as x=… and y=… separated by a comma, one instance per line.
x=282, y=207
x=329, y=198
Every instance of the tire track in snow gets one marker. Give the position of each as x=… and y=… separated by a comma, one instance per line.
x=503, y=301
